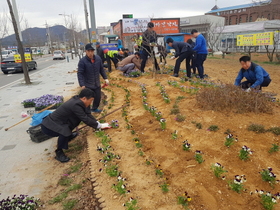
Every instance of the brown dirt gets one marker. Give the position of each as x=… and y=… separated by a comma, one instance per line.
x=181, y=171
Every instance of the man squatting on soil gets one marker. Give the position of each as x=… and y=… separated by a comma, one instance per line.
x=256, y=76
x=66, y=117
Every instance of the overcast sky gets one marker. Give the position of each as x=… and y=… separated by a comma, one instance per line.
x=37, y=12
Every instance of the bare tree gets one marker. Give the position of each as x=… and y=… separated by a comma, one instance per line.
x=3, y=29
x=20, y=46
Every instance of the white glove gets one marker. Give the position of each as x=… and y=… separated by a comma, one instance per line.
x=173, y=57
x=248, y=90
x=105, y=126
x=107, y=81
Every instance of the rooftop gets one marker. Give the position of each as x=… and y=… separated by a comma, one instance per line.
x=239, y=6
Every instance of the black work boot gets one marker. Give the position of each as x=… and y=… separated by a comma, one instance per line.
x=60, y=156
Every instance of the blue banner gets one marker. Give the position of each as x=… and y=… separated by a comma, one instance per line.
x=109, y=46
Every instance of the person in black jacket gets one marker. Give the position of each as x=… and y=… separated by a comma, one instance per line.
x=62, y=121
x=192, y=61
x=183, y=51
x=149, y=39
x=100, y=52
x=89, y=69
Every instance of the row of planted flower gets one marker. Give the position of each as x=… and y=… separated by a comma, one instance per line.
x=268, y=199
x=110, y=159
x=184, y=199
x=237, y=184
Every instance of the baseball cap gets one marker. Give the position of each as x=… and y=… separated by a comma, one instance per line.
x=97, y=43
x=89, y=46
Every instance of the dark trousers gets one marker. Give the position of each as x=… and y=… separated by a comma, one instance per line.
x=62, y=141
x=193, y=63
x=247, y=84
x=115, y=61
x=97, y=98
x=200, y=58
x=162, y=57
x=144, y=56
x=185, y=55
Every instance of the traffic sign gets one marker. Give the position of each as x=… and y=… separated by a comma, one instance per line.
x=127, y=15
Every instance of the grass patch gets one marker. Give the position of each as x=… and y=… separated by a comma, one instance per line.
x=73, y=187
x=257, y=128
x=75, y=168
x=65, y=181
x=58, y=198
x=231, y=98
x=274, y=130
x=69, y=204
x=213, y=128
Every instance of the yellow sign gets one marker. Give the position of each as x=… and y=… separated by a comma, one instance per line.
x=18, y=58
x=265, y=38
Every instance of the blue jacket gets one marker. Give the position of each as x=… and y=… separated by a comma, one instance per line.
x=120, y=44
x=255, y=75
x=181, y=47
x=200, y=45
x=88, y=72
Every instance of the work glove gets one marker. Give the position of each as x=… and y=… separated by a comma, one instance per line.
x=107, y=81
x=172, y=58
x=248, y=90
x=105, y=126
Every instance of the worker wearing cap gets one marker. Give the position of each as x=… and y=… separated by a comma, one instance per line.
x=111, y=55
x=149, y=40
x=89, y=69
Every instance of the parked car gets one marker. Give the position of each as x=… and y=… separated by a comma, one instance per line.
x=7, y=53
x=8, y=65
x=58, y=54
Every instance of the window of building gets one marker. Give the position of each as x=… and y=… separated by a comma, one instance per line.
x=246, y=18
x=250, y=19
x=236, y=20
x=244, y=10
x=268, y=16
x=240, y=19
x=229, y=21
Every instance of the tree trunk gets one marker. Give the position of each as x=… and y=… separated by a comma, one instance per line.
x=20, y=46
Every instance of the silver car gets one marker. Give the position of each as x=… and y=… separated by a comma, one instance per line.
x=58, y=54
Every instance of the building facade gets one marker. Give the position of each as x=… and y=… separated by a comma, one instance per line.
x=255, y=11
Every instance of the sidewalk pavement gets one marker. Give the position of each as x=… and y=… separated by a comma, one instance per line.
x=23, y=162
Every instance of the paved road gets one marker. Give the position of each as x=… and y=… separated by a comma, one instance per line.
x=42, y=63
x=23, y=163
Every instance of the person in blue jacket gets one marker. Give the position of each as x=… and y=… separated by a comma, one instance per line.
x=120, y=45
x=201, y=51
x=183, y=51
x=256, y=76
x=90, y=67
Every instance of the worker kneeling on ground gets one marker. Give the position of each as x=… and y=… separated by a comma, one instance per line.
x=130, y=63
x=256, y=76
x=62, y=121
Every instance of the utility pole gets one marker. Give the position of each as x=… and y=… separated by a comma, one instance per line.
x=16, y=17
x=49, y=37
x=20, y=46
x=86, y=17
x=92, y=21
